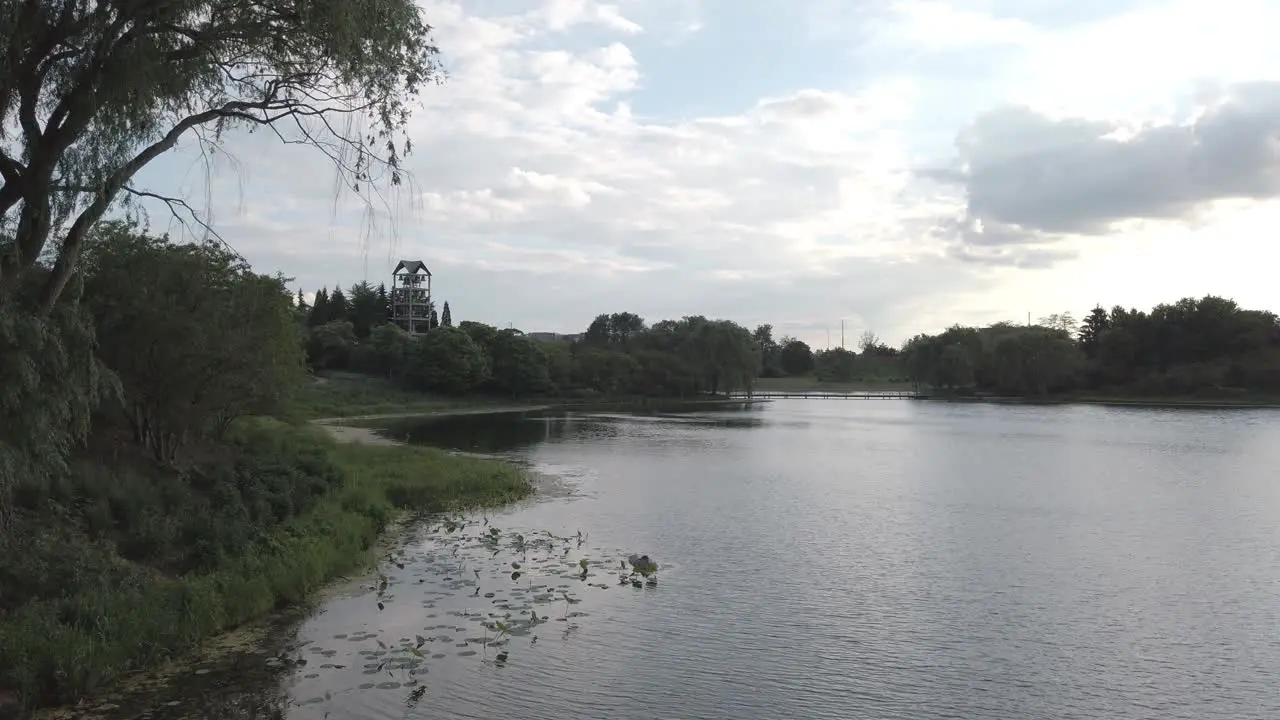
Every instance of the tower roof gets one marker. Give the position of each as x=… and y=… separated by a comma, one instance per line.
x=412, y=267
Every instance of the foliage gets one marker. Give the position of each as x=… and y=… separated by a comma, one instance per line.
x=1204, y=345
x=617, y=329
x=795, y=357
x=93, y=616
x=95, y=91
x=50, y=383
x=770, y=352
x=202, y=342
x=518, y=365
x=835, y=365
x=351, y=394
x=331, y=345
x=445, y=360
x=390, y=347
x=620, y=357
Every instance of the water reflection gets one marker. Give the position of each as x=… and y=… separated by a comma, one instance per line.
x=819, y=560
x=506, y=432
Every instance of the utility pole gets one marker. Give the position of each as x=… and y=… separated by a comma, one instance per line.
x=828, y=337
x=841, y=333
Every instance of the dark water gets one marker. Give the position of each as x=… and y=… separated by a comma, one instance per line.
x=838, y=559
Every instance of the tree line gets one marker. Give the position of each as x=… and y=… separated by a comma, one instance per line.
x=1207, y=345
x=619, y=354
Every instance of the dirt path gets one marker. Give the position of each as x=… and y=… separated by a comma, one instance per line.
x=340, y=429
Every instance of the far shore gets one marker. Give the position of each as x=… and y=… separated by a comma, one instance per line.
x=1122, y=401
x=347, y=428
x=446, y=412
x=354, y=428
x=341, y=429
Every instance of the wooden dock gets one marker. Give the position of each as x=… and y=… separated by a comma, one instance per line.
x=822, y=395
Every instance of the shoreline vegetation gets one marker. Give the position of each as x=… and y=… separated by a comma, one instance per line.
x=117, y=612
x=1220, y=399
x=160, y=479
x=181, y=458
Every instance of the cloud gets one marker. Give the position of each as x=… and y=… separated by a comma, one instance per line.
x=531, y=169
x=1028, y=178
x=553, y=178
x=934, y=25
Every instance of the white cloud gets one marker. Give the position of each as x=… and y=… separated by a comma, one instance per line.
x=1132, y=65
x=551, y=184
x=563, y=15
x=934, y=25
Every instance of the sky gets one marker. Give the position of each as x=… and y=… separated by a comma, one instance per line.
x=900, y=166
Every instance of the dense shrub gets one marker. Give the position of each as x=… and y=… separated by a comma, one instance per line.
x=194, y=520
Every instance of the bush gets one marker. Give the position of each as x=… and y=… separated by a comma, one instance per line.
x=129, y=565
x=191, y=522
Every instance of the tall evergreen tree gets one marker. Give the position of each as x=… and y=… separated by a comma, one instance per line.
x=435, y=319
x=319, y=309
x=446, y=319
x=339, y=306
x=1094, y=325
x=384, y=302
x=367, y=311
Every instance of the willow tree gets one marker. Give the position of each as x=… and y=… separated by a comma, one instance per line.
x=91, y=91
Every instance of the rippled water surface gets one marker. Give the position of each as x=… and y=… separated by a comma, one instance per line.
x=833, y=559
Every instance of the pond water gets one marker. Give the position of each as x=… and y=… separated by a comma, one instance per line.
x=825, y=559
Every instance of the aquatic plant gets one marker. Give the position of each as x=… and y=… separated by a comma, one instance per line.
x=568, y=601
x=643, y=566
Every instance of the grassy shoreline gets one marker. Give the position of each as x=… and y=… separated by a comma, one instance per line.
x=60, y=649
x=808, y=383
x=1222, y=402
x=1225, y=400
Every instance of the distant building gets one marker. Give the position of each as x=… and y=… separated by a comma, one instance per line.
x=553, y=337
x=411, y=296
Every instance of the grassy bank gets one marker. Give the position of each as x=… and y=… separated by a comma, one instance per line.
x=122, y=566
x=808, y=383
x=350, y=395
x=361, y=397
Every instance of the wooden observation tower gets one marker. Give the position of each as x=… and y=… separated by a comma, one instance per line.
x=411, y=296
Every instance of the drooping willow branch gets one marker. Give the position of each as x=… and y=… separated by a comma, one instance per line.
x=91, y=91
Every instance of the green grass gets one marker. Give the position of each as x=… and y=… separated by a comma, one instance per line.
x=349, y=395
x=113, y=617
x=808, y=383
x=427, y=479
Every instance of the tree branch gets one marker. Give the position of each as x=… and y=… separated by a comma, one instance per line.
x=70, y=251
x=175, y=204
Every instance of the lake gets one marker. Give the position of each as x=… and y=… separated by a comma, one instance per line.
x=832, y=559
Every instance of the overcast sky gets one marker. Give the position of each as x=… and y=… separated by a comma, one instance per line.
x=901, y=165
